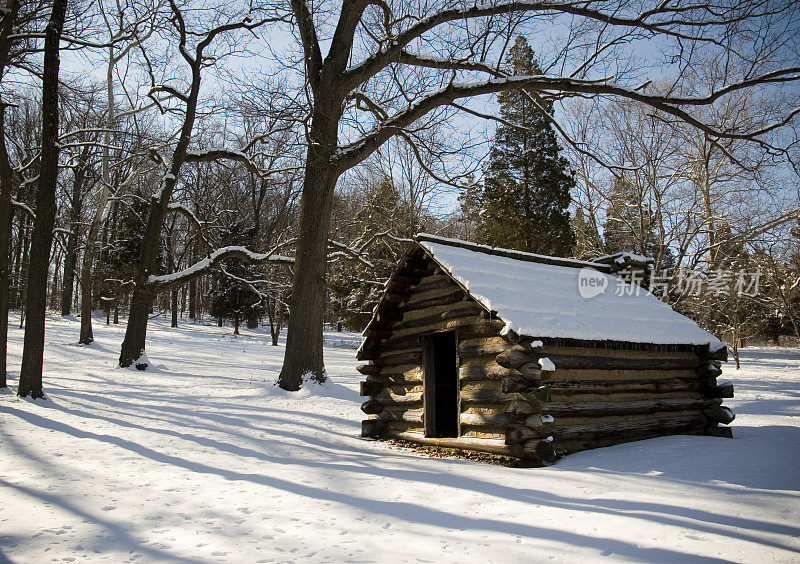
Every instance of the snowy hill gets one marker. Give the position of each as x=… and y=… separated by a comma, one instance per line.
x=202, y=459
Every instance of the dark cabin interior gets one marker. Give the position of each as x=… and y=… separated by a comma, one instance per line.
x=440, y=366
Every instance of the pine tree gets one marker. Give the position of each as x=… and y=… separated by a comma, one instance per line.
x=526, y=190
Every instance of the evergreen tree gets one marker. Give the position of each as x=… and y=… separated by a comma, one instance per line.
x=630, y=223
x=355, y=288
x=526, y=190
x=116, y=265
x=231, y=297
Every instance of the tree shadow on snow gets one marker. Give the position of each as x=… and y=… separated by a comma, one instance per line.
x=365, y=462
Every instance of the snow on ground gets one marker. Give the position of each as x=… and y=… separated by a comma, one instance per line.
x=202, y=459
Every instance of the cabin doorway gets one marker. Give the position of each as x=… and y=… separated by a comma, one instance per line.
x=440, y=382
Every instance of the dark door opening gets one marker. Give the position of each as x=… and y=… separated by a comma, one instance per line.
x=440, y=380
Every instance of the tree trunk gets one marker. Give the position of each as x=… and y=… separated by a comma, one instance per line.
x=9, y=14
x=71, y=255
x=142, y=299
x=30, y=376
x=307, y=305
x=54, y=285
x=6, y=27
x=5, y=237
x=136, y=332
x=193, y=299
x=252, y=319
x=235, y=324
x=174, y=307
x=24, y=265
x=86, y=336
x=13, y=298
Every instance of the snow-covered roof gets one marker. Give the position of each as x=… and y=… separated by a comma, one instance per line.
x=537, y=299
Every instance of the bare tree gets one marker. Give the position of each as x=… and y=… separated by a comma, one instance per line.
x=194, y=44
x=379, y=80
x=9, y=13
x=5, y=235
x=128, y=26
x=30, y=376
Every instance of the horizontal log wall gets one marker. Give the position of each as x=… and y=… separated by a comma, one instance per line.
x=510, y=404
x=394, y=373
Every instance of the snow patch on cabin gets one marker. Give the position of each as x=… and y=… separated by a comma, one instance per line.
x=542, y=300
x=714, y=347
x=547, y=364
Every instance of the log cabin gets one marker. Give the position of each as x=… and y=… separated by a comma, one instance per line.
x=498, y=351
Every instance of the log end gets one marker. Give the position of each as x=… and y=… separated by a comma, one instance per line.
x=373, y=428
x=372, y=407
x=719, y=354
x=724, y=390
x=367, y=354
x=719, y=414
x=368, y=369
x=543, y=450
x=370, y=388
x=536, y=451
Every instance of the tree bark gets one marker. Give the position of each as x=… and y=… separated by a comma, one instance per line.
x=6, y=26
x=30, y=376
x=54, y=291
x=136, y=331
x=5, y=236
x=87, y=335
x=307, y=305
x=174, y=307
x=193, y=299
x=23, y=264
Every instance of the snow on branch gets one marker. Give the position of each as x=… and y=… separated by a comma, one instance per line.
x=168, y=281
x=199, y=225
x=219, y=153
x=24, y=207
x=348, y=252
x=357, y=249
